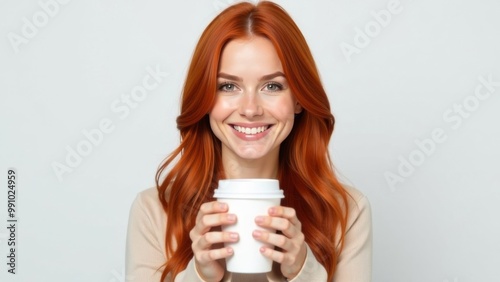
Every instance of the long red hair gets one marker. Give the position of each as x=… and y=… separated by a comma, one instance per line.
x=305, y=170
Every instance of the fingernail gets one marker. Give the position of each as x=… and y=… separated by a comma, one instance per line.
x=229, y=250
x=259, y=219
x=272, y=211
x=257, y=233
x=233, y=236
x=222, y=206
x=231, y=217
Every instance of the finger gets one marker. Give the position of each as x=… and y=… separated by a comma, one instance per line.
x=274, y=255
x=290, y=264
x=291, y=215
x=278, y=223
x=211, y=255
x=210, y=238
x=273, y=239
x=212, y=220
x=285, y=212
x=211, y=207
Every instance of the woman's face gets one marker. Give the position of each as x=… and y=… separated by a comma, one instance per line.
x=254, y=107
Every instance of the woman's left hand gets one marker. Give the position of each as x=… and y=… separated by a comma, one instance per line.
x=293, y=251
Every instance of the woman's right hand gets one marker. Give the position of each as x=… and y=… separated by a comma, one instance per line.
x=212, y=214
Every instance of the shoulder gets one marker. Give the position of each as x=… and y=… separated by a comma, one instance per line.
x=359, y=216
x=356, y=200
x=148, y=196
x=147, y=209
x=148, y=200
x=355, y=260
x=145, y=252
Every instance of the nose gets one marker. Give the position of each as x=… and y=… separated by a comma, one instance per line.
x=251, y=105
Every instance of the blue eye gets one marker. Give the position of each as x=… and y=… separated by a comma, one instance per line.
x=273, y=86
x=226, y=86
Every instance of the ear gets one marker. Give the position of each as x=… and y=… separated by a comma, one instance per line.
x=298, y=108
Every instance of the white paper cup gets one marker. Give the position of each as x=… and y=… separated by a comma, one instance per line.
x=247, y=199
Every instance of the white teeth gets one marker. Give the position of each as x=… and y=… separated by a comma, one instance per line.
x=252, y=130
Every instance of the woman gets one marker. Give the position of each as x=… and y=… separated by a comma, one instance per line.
x=252, y=107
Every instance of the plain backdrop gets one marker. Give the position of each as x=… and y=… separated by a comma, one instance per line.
x=415, y=92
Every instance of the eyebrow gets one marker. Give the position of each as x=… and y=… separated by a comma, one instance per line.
x=237, y=78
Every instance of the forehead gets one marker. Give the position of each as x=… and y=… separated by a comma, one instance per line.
x=251, y=54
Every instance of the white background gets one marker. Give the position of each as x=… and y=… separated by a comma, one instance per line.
x=438, y=223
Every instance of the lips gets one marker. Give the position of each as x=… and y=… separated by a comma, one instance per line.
x=251, y=130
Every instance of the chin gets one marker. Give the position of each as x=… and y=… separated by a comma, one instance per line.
x=251, y=156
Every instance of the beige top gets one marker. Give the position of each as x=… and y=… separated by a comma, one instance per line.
x=146, y=247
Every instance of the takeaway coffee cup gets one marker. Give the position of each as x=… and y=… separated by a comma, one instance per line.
x=248, y=198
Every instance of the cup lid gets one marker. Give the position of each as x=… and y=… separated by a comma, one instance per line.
x=248, y=189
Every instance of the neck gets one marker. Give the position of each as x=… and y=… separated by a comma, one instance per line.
x=250, y=168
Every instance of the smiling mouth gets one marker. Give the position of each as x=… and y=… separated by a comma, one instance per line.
x=251, y=130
